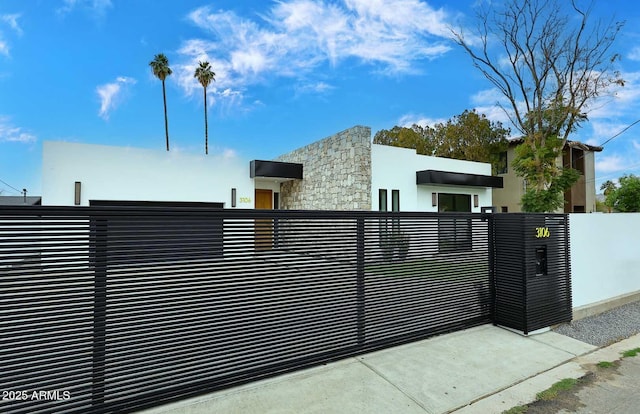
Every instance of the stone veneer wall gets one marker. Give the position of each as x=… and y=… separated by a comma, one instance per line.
x=336, y=173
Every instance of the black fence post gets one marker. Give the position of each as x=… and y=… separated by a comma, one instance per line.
x=492, y=267
x=99, y=253
x=360, y=280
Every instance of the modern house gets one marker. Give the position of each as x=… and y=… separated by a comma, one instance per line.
x=341, y=172
x=347, y=172
x=581, y=198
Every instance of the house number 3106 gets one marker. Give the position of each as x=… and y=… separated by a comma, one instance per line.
x=542, y=232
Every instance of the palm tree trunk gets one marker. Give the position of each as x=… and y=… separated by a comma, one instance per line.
x=166, y=122
x=206, y=127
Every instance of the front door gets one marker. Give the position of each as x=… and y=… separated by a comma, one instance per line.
x=264, y=199
x=264, y=227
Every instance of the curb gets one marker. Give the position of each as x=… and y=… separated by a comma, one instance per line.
x=525, y=391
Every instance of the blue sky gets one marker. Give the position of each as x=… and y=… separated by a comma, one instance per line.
x=289, y=72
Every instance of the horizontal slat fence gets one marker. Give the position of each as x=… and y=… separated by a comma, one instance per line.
x=114, y=309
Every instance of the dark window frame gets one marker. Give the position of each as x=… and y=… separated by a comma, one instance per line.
x=577, y=160
x=382, y=200
x=395, y=200
x=502, y=166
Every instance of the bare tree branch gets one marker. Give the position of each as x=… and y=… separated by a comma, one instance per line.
x=559, y=61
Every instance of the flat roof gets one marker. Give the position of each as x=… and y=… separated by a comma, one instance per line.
x=435, y=177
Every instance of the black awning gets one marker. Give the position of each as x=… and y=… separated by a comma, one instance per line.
x=275, y=169
x=454, y=178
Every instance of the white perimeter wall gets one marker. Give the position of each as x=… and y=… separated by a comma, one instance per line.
x=121, y=173
x=394, y=168
x=605, y=256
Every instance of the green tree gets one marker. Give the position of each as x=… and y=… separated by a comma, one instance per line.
x=205, y=75
x=550, y=63
x=468, y=136
x=625, y=198
x=160, y=67
x=417, y=137
x=608, y=187
x=471, y=136
x=601, y=207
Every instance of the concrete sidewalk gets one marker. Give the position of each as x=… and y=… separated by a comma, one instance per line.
x=486, y=369
x=614, y=395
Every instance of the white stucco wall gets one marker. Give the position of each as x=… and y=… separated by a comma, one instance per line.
x=122, y=173
x=394, y=168
x=605, y=256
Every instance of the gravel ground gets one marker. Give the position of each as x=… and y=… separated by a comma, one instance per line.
x=606, y=328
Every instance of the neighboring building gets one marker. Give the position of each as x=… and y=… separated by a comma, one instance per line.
x=20, y=200
x=580, y=198
x=342, y=172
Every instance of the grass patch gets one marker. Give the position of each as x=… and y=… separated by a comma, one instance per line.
x=631, y=353
x=605, y=364
x=518, y=409
x=552, y=392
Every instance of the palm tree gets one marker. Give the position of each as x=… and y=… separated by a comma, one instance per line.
x=609, y=188
x=161, y=69
x=205, y=75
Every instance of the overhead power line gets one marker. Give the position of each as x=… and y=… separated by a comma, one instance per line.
x=619, y=133
x=10, y=186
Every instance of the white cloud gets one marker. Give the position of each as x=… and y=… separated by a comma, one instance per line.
x=4, y=48
x=411, y=119
x=313, y=88
x=12, y=21
x=111, y=94
x=11, y=133
x=610, y=163
x=295, y=37
x=603, y=129
x=624, y=161
x=229, y=153
x=634, y=53
x=96, y=7
x=492, y=104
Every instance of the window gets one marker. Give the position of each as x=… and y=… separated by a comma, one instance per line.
x=454, y=202
x=577, y=160
x=382, y=200
x=454, y=233
x=505, y=209
x=395, y=200
x=501, y=166
x=276, y=201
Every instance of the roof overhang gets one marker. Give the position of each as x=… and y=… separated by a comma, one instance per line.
x=569, y=144
x=435, y=177
x=275, y=169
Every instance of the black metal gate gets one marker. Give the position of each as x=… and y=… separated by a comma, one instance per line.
x=113, y=309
